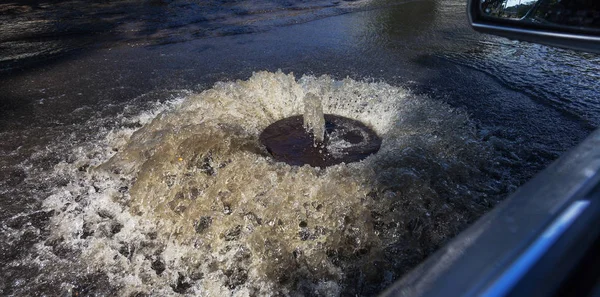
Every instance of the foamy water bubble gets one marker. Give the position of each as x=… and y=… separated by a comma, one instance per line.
x=191, y=203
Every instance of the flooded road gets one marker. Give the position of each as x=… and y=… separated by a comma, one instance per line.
x=131, y=166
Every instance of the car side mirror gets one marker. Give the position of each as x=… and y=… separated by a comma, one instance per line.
x=573, y=24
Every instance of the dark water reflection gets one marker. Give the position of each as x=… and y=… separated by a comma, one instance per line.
x=34, y=31
x=409, y=21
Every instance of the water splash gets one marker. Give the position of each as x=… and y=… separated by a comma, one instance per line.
x=191, y=203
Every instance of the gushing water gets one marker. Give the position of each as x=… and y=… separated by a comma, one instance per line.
x=192, y=203
x=314, y=120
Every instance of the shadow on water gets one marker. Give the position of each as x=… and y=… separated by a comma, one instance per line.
x=419, y=223
x=406, y=21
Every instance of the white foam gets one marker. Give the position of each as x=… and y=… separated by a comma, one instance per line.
x=194, y=192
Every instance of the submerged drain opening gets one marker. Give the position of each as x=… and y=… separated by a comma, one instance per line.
x=346, y=140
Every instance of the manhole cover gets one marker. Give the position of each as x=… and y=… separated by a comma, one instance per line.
x=346, y=140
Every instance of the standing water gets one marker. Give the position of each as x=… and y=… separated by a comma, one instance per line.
x=135, y=160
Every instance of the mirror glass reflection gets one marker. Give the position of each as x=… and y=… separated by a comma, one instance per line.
x=582, y=14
